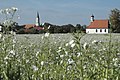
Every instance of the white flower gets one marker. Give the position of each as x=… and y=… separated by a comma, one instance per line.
x=60, y=47
x=3, y=11
x=104, y=49
x=12, y=52
x=49, y=27
x=69, y=67
x=79, y=54
x=66, y=44
x=72, y=45
x=57, y=57
x=58, y=51
x=61, y=61
x=37, y=53
x=85, y=46
x=66, y=53
x=55, y=42
x=7, y=11
x=115, y=64
x=12, y=32
x=70, y=61
x=42, y=63
x=34, y=68
x=118, y=54
x=71, y=42
x=42, y=37
x=115, y=59
x=14, y=40
x=43, y=24
x=61, y=56
x=95, y=42
x=6, y=58
x=100, y=41
x=27, y=61
x=105, y=78
x=47, y=34
x=14, y=8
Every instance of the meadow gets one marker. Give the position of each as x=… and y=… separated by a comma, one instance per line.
x=60, y=57
x=63, y=38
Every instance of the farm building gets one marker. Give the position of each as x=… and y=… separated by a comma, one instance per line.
x=98, y=26
x=29, y=28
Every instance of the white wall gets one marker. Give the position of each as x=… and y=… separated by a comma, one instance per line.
x=93, y=31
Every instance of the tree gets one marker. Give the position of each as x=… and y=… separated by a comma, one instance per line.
x=20, y=31
x=84, y=28
x=78, y=27
x=115, y=20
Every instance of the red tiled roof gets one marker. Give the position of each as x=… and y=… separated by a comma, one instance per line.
x=27, y=26
x=38, y=28
x=98, y=24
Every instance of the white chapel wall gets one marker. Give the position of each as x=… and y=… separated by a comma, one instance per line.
x=96, y=31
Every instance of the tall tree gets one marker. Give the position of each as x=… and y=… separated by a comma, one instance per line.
x=115, y=20
x=78, y=27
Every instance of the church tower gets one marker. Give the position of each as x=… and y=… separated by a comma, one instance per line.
x=92, y=18
x=37, y=20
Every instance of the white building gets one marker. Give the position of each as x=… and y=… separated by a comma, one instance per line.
x=0, y=28
x=98, y=26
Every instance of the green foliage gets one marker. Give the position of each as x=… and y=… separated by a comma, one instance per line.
x=115, y=20
x=20, y=31
x=69, y=28
x=49, y=60
x=80, y=28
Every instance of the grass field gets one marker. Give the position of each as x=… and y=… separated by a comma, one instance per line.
x=36, y=38
x=60, y=57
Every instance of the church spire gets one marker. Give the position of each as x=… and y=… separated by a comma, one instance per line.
x=37, y=20
x=92, y=18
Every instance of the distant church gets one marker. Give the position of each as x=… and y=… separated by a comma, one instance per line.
x=37, y=20
x=98, y=26
x=37, y=25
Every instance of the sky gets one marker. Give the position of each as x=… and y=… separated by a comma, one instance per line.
x=60, y=12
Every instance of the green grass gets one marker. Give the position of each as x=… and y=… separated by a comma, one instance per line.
x=58, y=57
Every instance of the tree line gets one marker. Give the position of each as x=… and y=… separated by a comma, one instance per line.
x=69, y=28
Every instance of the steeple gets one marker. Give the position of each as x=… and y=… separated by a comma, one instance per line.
x=92, y=18
x=37, y=20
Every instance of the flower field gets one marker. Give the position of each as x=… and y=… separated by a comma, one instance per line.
x=59, y=57
x=63, y=38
